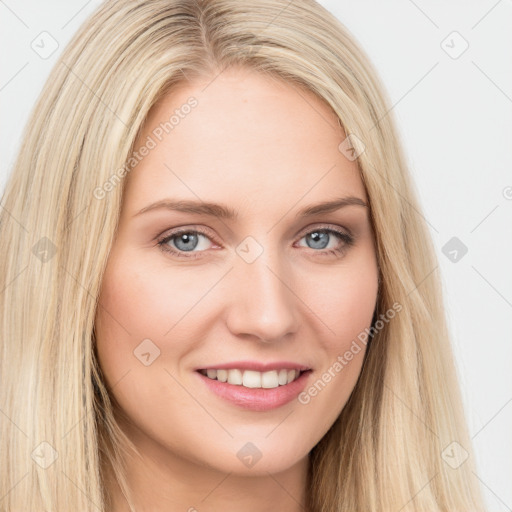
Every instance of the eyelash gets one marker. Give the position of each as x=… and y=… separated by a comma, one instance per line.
x=340, y=251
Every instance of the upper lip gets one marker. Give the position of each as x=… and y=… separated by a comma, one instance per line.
x=257, y=366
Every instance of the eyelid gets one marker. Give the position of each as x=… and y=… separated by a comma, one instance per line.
x=186, y=229
x=319, y=226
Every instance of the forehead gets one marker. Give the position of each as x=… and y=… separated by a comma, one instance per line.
x=247, y=139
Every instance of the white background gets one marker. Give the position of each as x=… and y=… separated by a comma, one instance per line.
x=455, y=119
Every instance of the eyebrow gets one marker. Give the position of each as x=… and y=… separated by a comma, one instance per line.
x=224, y=212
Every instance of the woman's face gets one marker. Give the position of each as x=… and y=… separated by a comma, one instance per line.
x=257, y=280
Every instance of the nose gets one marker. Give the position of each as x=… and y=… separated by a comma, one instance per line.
x=263, y=304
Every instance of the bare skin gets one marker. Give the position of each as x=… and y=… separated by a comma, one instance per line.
x=266, y=150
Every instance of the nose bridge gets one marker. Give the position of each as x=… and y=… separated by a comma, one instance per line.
x=263, y=303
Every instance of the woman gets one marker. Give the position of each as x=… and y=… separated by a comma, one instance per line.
x=218, y=292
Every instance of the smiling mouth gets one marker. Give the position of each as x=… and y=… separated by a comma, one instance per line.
x=254, y=379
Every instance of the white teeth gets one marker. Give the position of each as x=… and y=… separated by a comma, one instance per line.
x=283, y=377
x=235, y=377
x=269, y=379
x=253, y=379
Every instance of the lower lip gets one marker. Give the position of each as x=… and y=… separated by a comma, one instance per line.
x=257, y=399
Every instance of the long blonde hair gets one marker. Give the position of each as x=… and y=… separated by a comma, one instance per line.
x=386, y=451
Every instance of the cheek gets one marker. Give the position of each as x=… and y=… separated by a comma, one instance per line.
x=345, y=304
x=141, y=301
x=140, y=327
x=135, y=304
x=344, y=300
x=353, y=301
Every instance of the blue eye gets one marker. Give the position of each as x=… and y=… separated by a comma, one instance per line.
x=184, y=240
x=321, y=237
x=187, y=240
